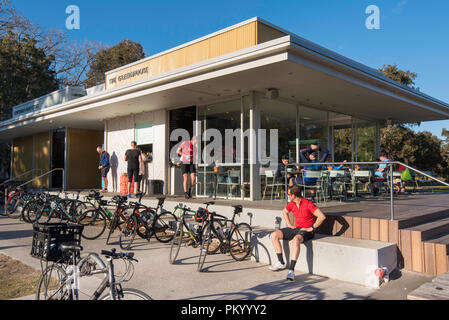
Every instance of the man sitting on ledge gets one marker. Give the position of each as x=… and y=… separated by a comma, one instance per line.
x=307, y=219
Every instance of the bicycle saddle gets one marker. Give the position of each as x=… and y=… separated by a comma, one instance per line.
x=70, y=247
x=238, y=208
x=210, y=203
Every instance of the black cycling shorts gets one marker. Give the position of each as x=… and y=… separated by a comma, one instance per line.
x=187, y=168
x=104, y=172
x=133, y=173
x=289, y=234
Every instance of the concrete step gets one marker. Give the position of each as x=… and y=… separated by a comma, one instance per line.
x=422, y=218
x=345, y=259
x=442, y=238
x=430, y=291
x=442, y=279
x=431, y=229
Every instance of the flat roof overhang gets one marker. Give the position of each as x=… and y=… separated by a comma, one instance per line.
x=303, y=72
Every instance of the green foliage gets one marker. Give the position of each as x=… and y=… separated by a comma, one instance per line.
x=404, y=77
x=25, y=72
x=125, y=52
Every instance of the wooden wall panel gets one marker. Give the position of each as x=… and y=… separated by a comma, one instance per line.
x=348, y=232
x=365, y=228
x=83, y=158
x=374, y=229
x=22, y=157
x=441, y=259
x=406, y=248
x=383, y=231
x=429, y=258
x=357, y=227
x=417, y=252
x=42, y=158
x=220, y=44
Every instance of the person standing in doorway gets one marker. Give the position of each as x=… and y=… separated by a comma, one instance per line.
x=187, y=152
x=104, y=167
x=132, y=157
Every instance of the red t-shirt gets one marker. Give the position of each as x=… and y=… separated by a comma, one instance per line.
x=188, y=152
x=304, y=217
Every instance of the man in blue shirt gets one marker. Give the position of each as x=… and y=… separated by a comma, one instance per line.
x=380, y=174
x=310, y=156
x=104, y=166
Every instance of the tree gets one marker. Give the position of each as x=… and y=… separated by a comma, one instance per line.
x=25, y=73
x=125, y=52
x=71, y=59
x=401, y=76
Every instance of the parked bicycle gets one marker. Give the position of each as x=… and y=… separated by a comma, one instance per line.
x=187, y=233
x=228, y=236
x=61, y=281
x=145, y=222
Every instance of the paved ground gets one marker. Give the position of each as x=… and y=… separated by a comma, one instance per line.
x=223, y=278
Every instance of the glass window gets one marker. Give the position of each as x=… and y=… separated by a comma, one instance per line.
x=276, y=115
x=220, y=171
x=366, y=141
x=313, y=124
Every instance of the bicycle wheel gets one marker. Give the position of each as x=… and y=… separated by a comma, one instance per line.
x=164, y=227
x=52, y=284
x=128, y=233
x=146, y=231
x=94, y=223
x=14, y=208
x=35, y=211
x=176, y=242
x=129, y=294
x=205, y=243
x=240, y=241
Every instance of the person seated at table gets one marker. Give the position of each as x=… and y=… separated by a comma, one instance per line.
x=331, y=167
x=310, y=155
x=280, y=172
x=380, y=175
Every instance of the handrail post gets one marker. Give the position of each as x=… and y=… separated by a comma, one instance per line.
x=391, y=193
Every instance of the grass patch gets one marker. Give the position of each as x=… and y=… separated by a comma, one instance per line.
x=16, y=279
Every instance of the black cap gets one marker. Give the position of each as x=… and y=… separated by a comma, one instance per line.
x=285, y=157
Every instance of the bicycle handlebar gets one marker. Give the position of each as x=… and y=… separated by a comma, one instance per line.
x=119, y=255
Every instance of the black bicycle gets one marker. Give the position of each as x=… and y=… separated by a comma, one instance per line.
x=227, y=237
x=187, y=233
x=145, y=222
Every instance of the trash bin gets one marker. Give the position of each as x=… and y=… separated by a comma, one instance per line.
x=156, y=187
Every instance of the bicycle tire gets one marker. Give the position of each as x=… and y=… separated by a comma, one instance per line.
x=24, y=213
x=12, y=208
x=94, y=223
x=128, y=233
x=205, y=243
x=34, y=212
x=129, y=294
x=52, y=277
x=164, y=227
x=147, y=216
x=240, y=241
x=176, y=243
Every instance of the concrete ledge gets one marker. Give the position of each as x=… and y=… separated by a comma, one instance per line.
x=351, y=260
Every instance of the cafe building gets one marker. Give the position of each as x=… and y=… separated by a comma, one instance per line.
x=252, y=75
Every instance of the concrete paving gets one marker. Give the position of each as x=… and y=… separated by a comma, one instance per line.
x=222, y=278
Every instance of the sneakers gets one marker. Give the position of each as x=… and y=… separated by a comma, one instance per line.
x=291, y=275
x=277, y=266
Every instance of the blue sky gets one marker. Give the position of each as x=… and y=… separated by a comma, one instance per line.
x=413, y=34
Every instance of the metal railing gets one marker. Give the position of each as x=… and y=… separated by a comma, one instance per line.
x=21, y=175
x=390, y=170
